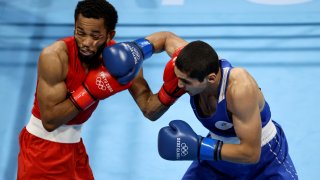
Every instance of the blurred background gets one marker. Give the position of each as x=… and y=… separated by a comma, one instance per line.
x=277, y=41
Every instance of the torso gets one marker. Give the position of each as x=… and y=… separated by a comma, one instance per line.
x=212, y=110
x=74, y=74
x=208, y=103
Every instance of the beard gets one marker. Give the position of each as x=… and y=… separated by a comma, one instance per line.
x=93, y=60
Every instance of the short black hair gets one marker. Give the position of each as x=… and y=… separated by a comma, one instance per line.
x=198, y=59
x=98, y=9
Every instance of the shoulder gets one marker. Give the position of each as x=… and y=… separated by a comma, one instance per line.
x=241, y=86
x=53, y=60
x=239, y=77
x=58, y=48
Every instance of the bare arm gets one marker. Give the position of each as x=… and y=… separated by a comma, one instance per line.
x=243, y=103
x=166, y=41
x=148, y=102
x=55, y=108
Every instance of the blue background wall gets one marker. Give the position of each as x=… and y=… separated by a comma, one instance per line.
x=278, y=44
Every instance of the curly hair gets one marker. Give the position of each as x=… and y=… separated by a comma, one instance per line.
x=97, y=9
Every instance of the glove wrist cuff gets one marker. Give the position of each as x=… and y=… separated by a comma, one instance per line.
x=82, y=99
x=210, y=149
x=145, y=46
x=165, y=98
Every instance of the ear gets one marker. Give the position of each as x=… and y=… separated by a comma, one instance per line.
x=212, y=77
x=111, y=35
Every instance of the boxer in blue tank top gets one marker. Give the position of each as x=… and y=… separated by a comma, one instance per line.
x=243, y=141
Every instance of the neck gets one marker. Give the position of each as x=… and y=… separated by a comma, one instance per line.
x=213, y=88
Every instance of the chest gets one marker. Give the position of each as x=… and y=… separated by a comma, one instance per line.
x=207, y=105
x=213, y=115
x=76, y=73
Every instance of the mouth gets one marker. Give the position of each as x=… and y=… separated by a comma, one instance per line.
x=86, y=52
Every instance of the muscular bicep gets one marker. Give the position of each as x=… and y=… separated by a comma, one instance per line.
x=244, y=106
x=247, y=122
x=51, y=88
x=242, y=102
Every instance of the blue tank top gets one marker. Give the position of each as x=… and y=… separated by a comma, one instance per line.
x=220, y=123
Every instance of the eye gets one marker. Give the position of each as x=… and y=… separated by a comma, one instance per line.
x=80, y=33
x=185, y=81
x=96, y=36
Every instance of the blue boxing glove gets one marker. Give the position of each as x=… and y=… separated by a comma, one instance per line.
x=179, y=142
x=124, y=60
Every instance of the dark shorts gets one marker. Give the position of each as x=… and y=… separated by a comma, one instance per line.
x=275, y=163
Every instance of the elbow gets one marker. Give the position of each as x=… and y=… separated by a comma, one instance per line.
x=150, y=116
x=251, y=156
x=254, y=159
x=169, y=34
x=47, y=125
x=166, y=34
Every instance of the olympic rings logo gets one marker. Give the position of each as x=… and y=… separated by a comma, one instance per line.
x=100, y=84
x=103, y=83
x=184, y=149
x=181, y=149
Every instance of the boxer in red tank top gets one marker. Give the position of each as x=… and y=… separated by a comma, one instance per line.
x=72, y=79
x=50, y=145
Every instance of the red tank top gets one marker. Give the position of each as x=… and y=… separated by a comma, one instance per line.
x=75, y=77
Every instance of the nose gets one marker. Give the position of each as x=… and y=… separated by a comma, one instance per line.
x=87, y=41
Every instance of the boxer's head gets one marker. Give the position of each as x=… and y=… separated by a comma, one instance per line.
x=198, y=59
x=196, y=66
x=95, y=22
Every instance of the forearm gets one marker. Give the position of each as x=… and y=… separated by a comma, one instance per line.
x=240, y=153
x=57, y=115
x=149, y=103
x=153, y=109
